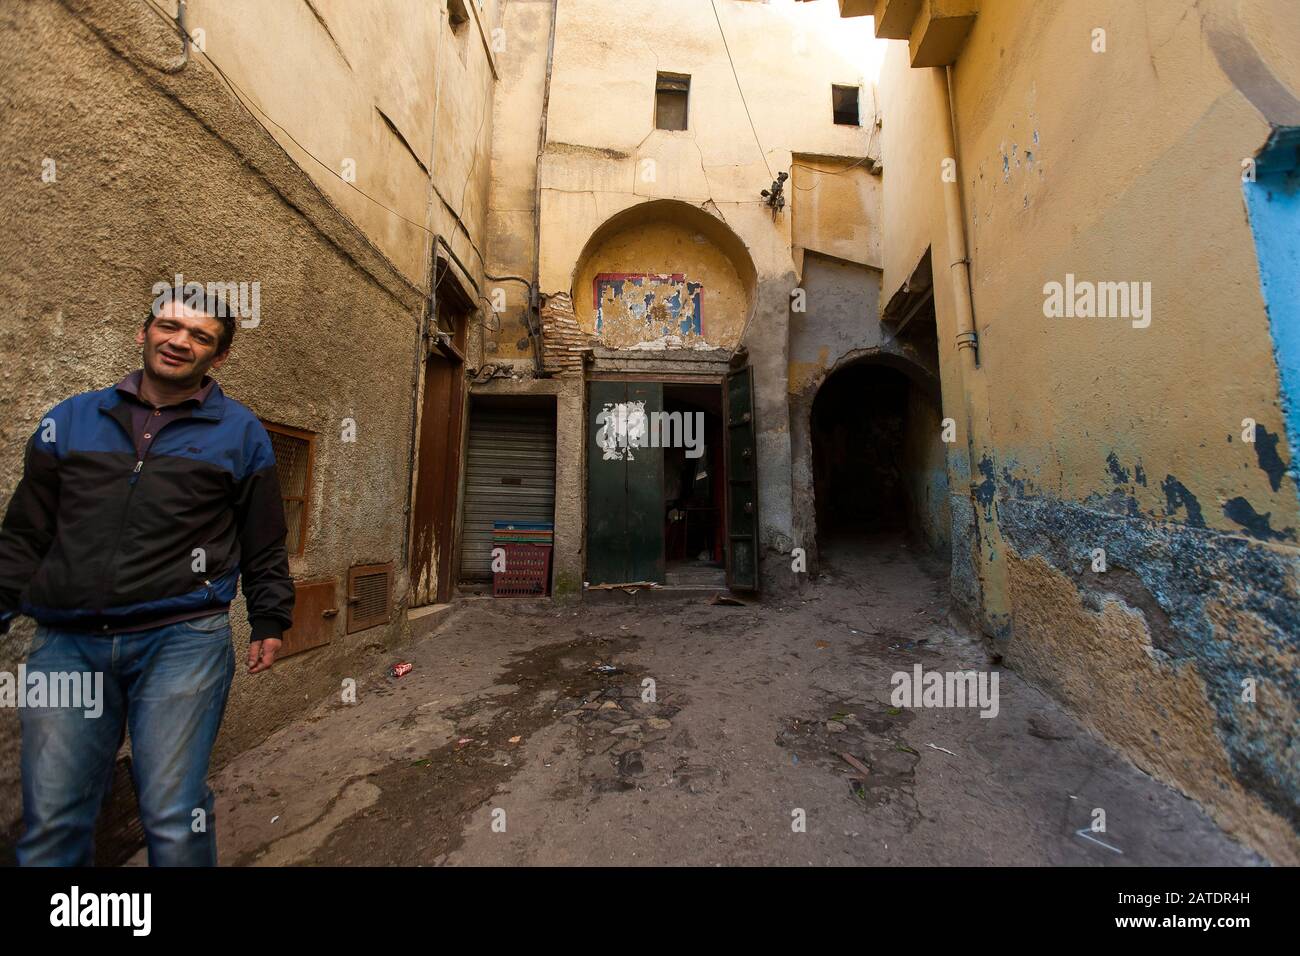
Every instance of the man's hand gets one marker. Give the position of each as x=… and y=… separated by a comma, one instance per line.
x=261, y=654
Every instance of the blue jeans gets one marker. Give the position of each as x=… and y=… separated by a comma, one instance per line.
x=167, y=686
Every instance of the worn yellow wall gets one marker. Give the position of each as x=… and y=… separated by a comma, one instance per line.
x=835, y=208
x=324, y=74
x=1078, y=433
x=1150, y=192
x=517, y=117
x=604, y=154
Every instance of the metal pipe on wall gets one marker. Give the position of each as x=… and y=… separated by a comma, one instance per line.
x=959, y=266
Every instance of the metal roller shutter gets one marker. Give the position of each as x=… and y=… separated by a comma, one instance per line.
x=509, y=476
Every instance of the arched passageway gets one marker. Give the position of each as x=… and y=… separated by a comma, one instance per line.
x=878, y=459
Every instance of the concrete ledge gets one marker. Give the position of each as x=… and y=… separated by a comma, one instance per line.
x=894, y=18
x=940, y=31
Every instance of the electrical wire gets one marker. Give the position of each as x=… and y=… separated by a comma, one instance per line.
x=734, y=74
x=836, y=172
x=246, y=101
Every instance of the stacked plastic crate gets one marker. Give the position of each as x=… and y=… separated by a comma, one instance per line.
x=524, y=569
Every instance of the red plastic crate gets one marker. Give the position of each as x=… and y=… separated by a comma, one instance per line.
x=527, y=573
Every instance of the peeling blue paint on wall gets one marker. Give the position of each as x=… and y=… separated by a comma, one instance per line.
x=1273, y=201
x=638, y=292
x=1192, y=586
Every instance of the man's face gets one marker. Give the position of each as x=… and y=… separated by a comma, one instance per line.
x=180, y=345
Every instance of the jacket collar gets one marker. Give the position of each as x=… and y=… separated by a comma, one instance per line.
x=212, y=408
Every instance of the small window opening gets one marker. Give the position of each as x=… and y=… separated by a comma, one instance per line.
x=844, y=102
x=672, y=93
x=294, y=451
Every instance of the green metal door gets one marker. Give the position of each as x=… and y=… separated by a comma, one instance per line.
x=625, y=487
x=741, y=455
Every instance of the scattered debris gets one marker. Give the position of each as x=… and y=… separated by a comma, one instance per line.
x=399, y=669
x=516, y=739
x=659, y=723
x=630, y=764
x=274, y=818
x=629, y=586
x=1084, y=832
x=855, y=763
x=822, y=645
x=943, y=749
x=726, y=599
x=600, y=668
x=835, y=727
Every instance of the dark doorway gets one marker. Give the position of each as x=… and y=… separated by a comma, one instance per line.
x=878, y=457
x=695, y=490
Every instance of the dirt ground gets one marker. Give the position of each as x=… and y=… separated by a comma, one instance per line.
x=522, y=736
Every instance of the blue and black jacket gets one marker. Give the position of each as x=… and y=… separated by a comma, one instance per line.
x=96, y=538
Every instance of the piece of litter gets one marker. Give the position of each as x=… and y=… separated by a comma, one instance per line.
x=274, y=818
x=944, y=749
x=515, y=740
x=856, y=764
x=821, y=645
x=399, y=669
x=1088, y=836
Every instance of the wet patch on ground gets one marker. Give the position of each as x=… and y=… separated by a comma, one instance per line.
x=423, y=805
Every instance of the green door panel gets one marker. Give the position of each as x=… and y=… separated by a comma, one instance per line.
x=741, y=454
x=645, y=494
x=606, y=494
x=625, y=494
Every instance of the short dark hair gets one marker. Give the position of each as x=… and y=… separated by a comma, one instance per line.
x=195, y=295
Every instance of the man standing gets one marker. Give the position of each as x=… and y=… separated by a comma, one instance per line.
x=139, y=508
